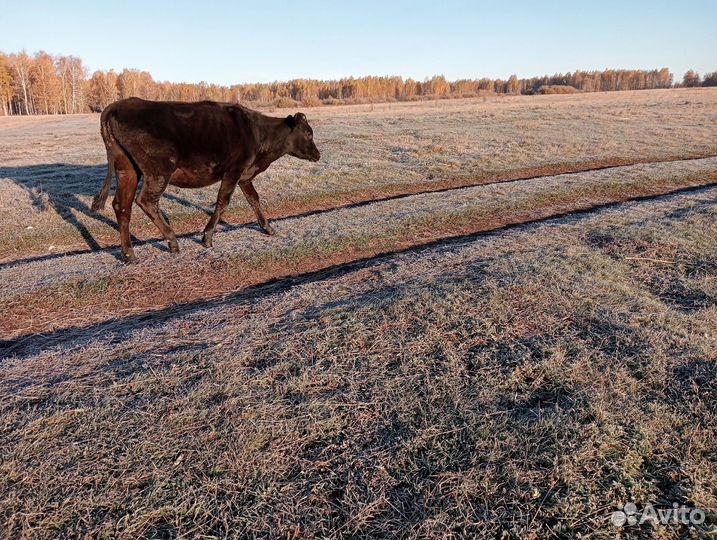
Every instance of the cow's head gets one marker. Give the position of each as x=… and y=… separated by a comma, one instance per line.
x=300, y=142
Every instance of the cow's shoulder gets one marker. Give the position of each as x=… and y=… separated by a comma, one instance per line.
x=238, y=112
x=246, y=121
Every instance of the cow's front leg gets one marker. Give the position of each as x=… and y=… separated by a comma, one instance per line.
x=225, y=194
x=253, y=197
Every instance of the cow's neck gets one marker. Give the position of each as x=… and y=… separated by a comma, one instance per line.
x=272, y=143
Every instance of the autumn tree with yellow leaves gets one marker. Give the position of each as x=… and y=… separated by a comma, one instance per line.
x=46, y=84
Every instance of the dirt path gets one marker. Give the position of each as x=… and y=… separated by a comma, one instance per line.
x=412, y=267
x=84, y=289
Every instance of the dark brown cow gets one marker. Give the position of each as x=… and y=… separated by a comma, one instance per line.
x=192, y=145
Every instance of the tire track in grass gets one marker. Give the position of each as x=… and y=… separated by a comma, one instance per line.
x=100, y=289
x=120, y=327
x=192, y=227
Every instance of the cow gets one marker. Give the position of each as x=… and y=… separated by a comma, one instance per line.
x=192, y=145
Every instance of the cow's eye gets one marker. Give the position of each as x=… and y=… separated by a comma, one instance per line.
x=311, y=135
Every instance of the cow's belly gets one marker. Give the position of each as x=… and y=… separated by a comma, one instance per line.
x=192, y=178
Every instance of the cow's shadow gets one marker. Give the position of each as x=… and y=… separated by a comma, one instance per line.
x=60, y=186
x=67, y=189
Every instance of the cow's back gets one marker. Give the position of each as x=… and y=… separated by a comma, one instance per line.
x=176, y=131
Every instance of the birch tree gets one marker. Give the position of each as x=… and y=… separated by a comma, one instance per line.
x=20, y=67
x=6, y=89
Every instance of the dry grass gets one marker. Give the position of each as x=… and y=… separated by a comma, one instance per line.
x=519, y=384
x=51, y=167
x=46, y=296
x=516, y=386
x=557, y=89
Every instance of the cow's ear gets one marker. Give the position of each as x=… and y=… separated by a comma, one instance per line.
x=291, y=121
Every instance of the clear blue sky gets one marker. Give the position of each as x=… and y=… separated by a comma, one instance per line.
x=236, y=41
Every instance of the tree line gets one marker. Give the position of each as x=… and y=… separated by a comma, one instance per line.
x=46, y=84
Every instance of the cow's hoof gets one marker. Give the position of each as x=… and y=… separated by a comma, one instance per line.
x=130, y=258
x=207, y=240
x=174, y=247
x=268, y=229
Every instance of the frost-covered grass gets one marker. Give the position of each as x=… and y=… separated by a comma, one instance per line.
x=51, y=167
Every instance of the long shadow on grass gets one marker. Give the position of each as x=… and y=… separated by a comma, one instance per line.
x=121, y=327
x=61, y=187
x=428, y=189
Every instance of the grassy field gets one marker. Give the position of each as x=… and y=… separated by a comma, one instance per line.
x=87, y=288
x=482, y=319
x=51, y=167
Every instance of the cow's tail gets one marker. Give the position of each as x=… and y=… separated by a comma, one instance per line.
x=110, y=144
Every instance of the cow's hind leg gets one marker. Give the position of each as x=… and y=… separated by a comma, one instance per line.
x=124, y=196
x=253, y=197
x=148, y=200
x=225, y=194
